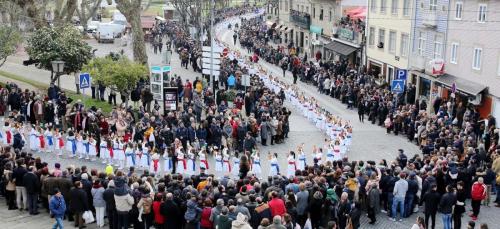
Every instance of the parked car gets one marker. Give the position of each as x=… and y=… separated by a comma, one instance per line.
x=105, y=33
x=92, y=26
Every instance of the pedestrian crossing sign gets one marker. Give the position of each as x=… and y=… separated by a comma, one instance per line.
x=84, y=80
x=398, y=86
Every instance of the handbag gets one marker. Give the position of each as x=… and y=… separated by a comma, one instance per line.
x=349, y=223
x=88, y=217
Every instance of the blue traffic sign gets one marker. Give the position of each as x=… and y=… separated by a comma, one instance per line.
x=398, y=86
x=84, y=80
x=401, y=74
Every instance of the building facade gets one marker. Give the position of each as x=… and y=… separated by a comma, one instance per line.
x=428, y=47
x=473, y=55
x=389, y=34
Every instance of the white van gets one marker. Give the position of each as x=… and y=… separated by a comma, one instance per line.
x=105, y=33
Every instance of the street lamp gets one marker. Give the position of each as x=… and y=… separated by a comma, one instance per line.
x=58, y=69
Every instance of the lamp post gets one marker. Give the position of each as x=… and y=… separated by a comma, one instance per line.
x=58, y=69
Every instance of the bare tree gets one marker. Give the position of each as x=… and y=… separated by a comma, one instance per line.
x=64, y=11
x=35, y=10
x=87, y=10
x=189, y=10
x=131, y=9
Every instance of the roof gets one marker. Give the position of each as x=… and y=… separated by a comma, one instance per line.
x=340, y=48
x=461, y=84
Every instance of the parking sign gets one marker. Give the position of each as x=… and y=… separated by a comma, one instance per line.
x=401, y=74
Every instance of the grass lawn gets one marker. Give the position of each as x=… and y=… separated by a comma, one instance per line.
x=88, y=101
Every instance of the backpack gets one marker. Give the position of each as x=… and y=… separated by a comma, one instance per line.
x=146, y=206
x=477, y=191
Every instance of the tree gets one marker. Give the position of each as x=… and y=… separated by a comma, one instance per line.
x=9, y=39
x=87, y=10
x=35, y=10
x=64, y=11
x=122, y=73
x=59, y=43
x=131, y=9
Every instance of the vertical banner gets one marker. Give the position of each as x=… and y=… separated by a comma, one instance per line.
x=171, y=98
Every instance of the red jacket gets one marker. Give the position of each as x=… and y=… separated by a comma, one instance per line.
x=277, y=207
x=159, y=219
x=205, y=218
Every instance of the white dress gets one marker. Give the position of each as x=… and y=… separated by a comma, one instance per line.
x=236, y=167
x=302, y=161
x=227, y=164
x=191, y=165
x=274, y=166
x=336, y=153
x=181, y=163
x=79, y=146
x=330, y=155
x=86, y=147
x=33, y=141
x=71, y=145
x=49, y=141
x=129, y=153
x=167, y=163
x=291, y=166
x=92, y=149
x=118, y=152
x=145, y=158
x=203, y=161
x=59, y=143
x=7, y=138
x=256, y=168
x=319, y=157
x=218, y=163
x=104, y=152
x=155, y=165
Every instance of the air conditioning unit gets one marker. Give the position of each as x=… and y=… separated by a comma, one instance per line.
x=476, y=100
x=380, y=45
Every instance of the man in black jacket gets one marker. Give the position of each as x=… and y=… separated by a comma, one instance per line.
x=431, y=202
x=446, y=204
x=32, y=186
x=109, y=198
x=78, y=203
x=172, y=213
x=18, y=178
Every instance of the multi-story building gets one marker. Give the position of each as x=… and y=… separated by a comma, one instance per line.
x=473, y=55
x=428, y=47
x=389, y=33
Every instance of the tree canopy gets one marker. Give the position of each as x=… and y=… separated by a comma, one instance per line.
x=122, y=73
x=59, y=43
x=9, y=39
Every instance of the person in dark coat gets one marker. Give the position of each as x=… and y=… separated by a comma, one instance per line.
x=78, y=203
x=459, y=205
x=32, y=185
x=64, y=184
x=431, y=202
x=172, y=213
x=109, y=198
x=374, y=203
x=355, y=215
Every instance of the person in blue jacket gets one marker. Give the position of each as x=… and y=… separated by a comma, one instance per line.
x=57, y=208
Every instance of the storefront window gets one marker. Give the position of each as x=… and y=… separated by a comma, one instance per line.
x=425, y=88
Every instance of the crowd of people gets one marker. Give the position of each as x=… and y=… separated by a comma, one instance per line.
x=460, y=157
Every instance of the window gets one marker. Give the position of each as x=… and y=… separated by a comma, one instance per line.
x=286, y=5
x=373, y=5
x=307, y=9
x=404, y=44
x=438, y=48
x=454, y=52
x=371, y=39
x=383, y=6
x=392, y=42
x=302, y=9
x=459, y=6
x=330, y=15
x=476, y=61
x=421, y=43
x=381, y=36
x=394, y=7
x=481, y=13
x=321, y=14
x=433, y=5
x=314, y=12
x=406, y=7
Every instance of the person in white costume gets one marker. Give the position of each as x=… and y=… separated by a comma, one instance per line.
x=130, y=155
x=191, y=164
x=218, y=161
x=92, y=148
x=256, y=167
x=292, y=166
x=274, y=166
x=203, y=160
x=302, y=163
x=181, y=161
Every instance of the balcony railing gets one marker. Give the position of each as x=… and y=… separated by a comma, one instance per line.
x=430, y=20
x=300, y=19
x=348, y=34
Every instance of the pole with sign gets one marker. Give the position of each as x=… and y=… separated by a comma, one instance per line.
x=84, y=82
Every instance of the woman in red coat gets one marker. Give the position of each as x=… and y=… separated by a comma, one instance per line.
x=205, y=215
x=159, y=220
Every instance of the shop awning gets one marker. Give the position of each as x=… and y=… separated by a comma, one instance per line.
x=462, y=85
x=340, y=48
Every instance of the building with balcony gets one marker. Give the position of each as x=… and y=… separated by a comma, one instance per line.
x=389, y=32
x=428, y=45
x=473, y=56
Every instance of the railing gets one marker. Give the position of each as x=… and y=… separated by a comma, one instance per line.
x=348, y=34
